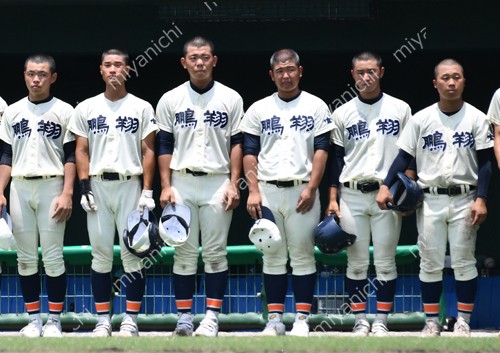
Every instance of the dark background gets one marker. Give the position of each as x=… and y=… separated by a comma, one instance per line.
x=76, y=32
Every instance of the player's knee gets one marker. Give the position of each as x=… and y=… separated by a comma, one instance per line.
x=185, y=268
x=216, y=266
x=26, y=268
x=102, y=266
x=357, y=267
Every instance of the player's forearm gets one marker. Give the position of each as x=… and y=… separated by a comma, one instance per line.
x=148, y=170
x=250, y=169
x=5, y=172
x=318, y=168
x=164, y=168
x=332, y=193
x=82, y=158
x=497, y=144
x=236, y=159
x=69, y=178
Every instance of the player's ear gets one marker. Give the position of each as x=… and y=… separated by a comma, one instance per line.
x=300, y=71
x=435, y=85
x=352, y=74
x=183, y=62
x=271, y=74
x=382, y=71
x=215, y=60
x=53, y=78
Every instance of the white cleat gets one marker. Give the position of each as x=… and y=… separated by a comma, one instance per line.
x=300, y=326
x=128, y=327
x=461, y=328
x=274, y=326
x=431, y=329
x=103, y=328
x=52, y=328
x=33, y=329
x=361, y=328
x=209, y=326
x=379, y=329
x=185, y=326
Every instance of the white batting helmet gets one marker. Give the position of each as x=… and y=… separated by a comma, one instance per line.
x=174, y=224
x=7, y=241
x=265, y=234
x=141, y=237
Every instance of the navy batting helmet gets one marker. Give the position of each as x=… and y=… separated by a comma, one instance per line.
x=330, y=238
x=406, y=194
x=142, y=236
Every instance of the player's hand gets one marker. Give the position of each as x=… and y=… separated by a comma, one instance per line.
x=146, y=200
x=167, y=196
x=253, y=205
x=231, y=197
x=333, y=208
x=87, y=201
x=306, y=200
x=384, y=196
x=64, y=207
x=479, y=211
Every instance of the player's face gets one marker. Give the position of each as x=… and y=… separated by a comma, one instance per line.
x=38, y=79
x=113, y=70
x=450, y=82
x=367, y=75
x=287, y=76
x=199, y=62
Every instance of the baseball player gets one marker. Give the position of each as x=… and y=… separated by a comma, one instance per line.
x=286, y=148
x=115, y=133
x=452, y=145
x=363, y=148
x=200, y=162
x=39, y=155
x=3, y=105
x=493, y=117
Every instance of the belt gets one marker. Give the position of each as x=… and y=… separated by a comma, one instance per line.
x=112, y=176
x=363, y=187
x=195, y=173
x=39, y=177
x=451, y=190
x=286, y=184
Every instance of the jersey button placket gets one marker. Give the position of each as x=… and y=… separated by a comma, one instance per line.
x=199, y=133
x=32, y=142
x=286, y=139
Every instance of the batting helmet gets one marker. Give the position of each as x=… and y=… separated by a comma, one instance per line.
x=175, y=221
x=265, y=233
x=7, y=241
x=330, y=238
x=142, y=237
x=406, y=194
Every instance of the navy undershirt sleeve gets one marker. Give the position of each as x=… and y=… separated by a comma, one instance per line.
x=251, y=144
x=484, y=175
x=236, y=139
x=321, y=142
x=335, y=164
x=413, y=165
x=69, y=152
x=400, y=164
x=165, y=143
x=6, y=155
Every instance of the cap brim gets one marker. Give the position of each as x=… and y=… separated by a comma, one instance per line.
x=267, y=213
x=178, y=210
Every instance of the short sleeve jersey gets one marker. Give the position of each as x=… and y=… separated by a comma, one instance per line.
x=445, y=146
x=368, y=133
x=37, y=134
x=3, y=105
x=202, y=125
x=494, y=109
x=115, y=131
x=287, y=131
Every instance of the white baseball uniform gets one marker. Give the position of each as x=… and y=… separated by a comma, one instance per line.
x=287, y=131
x=202, y=125
x=3, y=105
x=493, y=115
x=115, y=131
x=445, y=150
x=368, y=133
x=37, y=134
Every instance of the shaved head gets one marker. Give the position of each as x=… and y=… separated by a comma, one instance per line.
x=447, y=62
x=284, y=55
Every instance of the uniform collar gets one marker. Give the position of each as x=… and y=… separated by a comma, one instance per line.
x=48, y=99
x=204, y=90
x=372, y=100
x=288, y=100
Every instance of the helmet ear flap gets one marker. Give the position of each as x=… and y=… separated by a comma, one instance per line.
x=406, y=194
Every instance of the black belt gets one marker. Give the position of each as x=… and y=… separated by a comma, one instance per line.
x=365, y=187
x=284, y=184
x=39, y=177
x=450, y=191
x=195, y=173
x=113, y=176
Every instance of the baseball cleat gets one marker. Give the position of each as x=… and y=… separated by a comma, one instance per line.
x=431, y=329
x=103, y=328
x=128, y=328
x=361, y=328
x=209, y=326
x=300, y=326
x=184, y=326
x=52, y=328
x=274, y=326
x=461, y=328
x=33, y=329
x=379, y=329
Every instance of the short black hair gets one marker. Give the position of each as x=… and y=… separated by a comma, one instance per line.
x=283, y=55
x=115, y=51
x=41, y=58
x=365, y=56
x=198, y=42
x=447, y=62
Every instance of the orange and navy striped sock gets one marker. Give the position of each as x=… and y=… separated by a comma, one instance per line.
x=30, y=287
x=215, y=287
x=184, y=287
x=431, y=294
x=303, y=291
x=276, y=287
x=466, y=296
x=101, y=288
x=275, y=308
x=135, y=283
x=56, y=292
x=102, y=308
x=385, y=297
x=358, y=292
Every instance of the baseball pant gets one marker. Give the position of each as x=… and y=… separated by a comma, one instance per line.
x=203, y=195
x=362, y=217
x=445, y=218
x=296, y=229
x=115, y=199
x=32, y=204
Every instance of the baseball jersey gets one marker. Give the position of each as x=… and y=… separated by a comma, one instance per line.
x=445, y=146
x=37, y=133
x=115, y=131
x=3, y=105
x=202, y=125
x=287, y=131
x=494, y=109
x=368, y=133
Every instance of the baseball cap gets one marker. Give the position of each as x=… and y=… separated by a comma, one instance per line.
x=137, y=224
x=174, y=224
x=7, y=240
